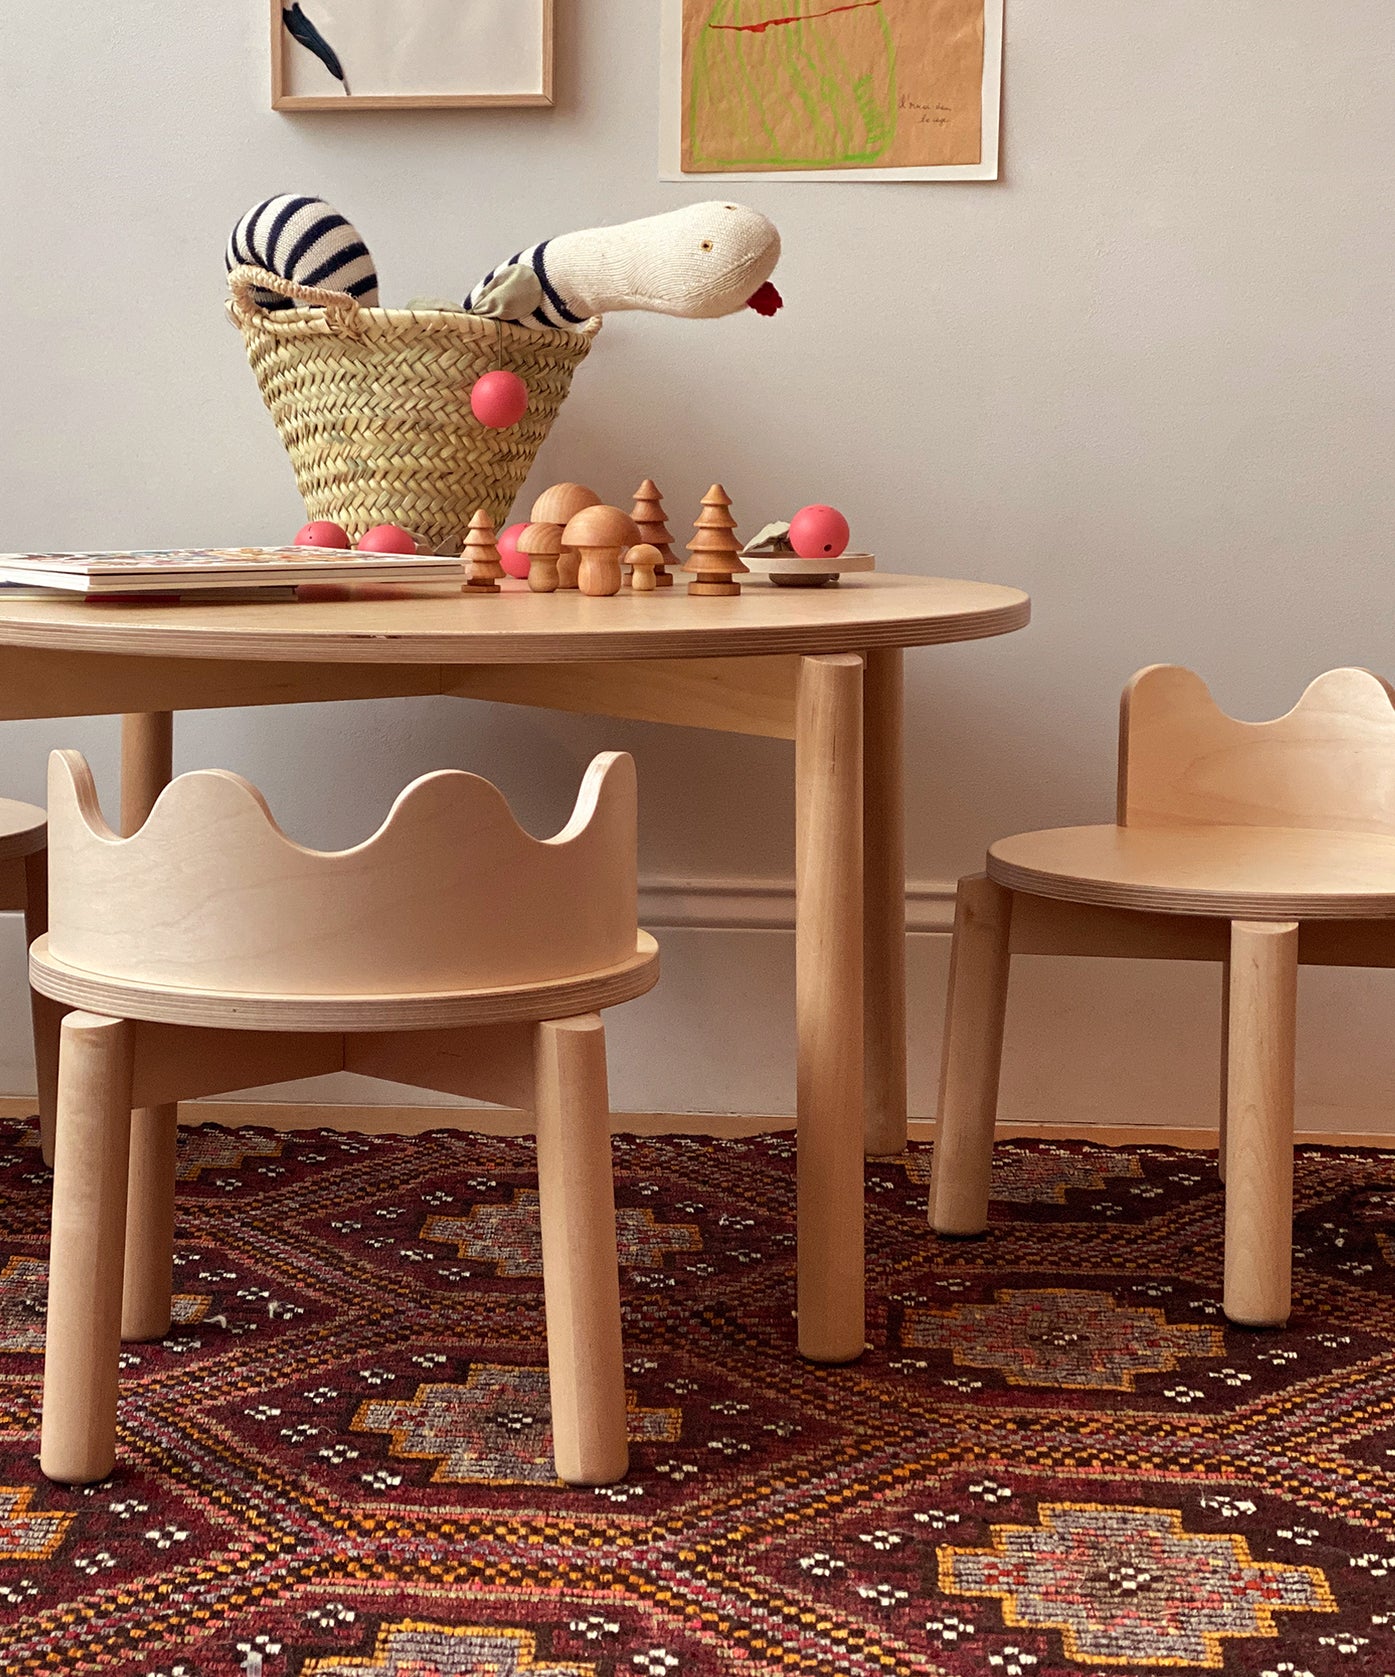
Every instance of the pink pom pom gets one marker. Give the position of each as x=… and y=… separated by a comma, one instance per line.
x=386, y=538
x=322, y=532
x=499, y=399
x=819, y=532
x=514, y=562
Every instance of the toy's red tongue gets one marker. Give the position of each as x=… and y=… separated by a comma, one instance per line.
x=765, y=300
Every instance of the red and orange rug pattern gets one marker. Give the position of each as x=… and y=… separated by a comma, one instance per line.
x=1054, y=1460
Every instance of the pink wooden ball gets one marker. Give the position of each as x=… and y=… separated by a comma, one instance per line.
x=514, y=562
x=386, y=538
x=499, y=399
x=322, y=532
x=819, y=532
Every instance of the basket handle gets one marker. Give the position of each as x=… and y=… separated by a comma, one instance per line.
x=245, y=279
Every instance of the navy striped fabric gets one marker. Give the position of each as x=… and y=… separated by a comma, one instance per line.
x=304, y=240
x=553, y=310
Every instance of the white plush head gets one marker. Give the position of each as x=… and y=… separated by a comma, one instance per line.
x=705, y=260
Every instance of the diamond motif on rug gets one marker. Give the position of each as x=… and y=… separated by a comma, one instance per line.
x=410, y=1649
x=495, y=1429
x=207, y=1148
x=1062, y=1337
x=25, y=1536
x=509, y=1236
x=1039, y=1178
x=1129, y=1586
x=24, y=1305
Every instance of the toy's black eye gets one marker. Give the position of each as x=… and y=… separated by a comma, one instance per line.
x=707, y=244
x=728, y=206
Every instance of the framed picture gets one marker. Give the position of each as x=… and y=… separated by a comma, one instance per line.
x=830, y=90
x=383, y=55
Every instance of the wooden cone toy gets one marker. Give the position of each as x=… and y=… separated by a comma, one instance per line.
x=556, y=506
x=481, y=555
x=542, y=543
x=644, y=560
x=648, y=514
x=715, y=553
x=600, y=535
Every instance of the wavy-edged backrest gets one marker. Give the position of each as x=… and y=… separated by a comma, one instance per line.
x=449, y=894
x=1328, y=764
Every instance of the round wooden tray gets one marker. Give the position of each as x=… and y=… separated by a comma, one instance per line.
x=788, y=570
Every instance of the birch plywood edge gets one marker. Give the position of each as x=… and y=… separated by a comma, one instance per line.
x=449, y=896
x=519, y=627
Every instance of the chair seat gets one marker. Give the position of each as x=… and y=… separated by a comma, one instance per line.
x=1249, y=873
x=23, y=829
x=560, y=998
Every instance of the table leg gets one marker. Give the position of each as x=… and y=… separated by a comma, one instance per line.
x=147, y=747
x=828, y=988
x=884, y=903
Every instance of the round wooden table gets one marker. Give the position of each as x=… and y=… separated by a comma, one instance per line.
x=822, y=667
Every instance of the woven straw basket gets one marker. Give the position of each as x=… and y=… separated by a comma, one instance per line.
x=373, y=405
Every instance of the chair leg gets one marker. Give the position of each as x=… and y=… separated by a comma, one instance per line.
x=78, y=1438
x=149, y=1262
x=961, y=1166
x=581, y=1277
x=46, y=1015
x=1225, y=1069
x=1259, y=1138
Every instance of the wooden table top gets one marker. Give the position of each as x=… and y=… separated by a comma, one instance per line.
x=519, y=627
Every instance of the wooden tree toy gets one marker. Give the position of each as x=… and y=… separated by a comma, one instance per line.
x=542, y=543
x=644, y=560
x=555, y=506
x=648, y=514
x=481, y=554
x=600, y=535
x=715, y=552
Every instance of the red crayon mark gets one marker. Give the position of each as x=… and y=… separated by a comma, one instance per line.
x=795, y=17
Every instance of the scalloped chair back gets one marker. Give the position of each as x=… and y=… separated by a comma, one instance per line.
x=1328, y=765
x=449, y=895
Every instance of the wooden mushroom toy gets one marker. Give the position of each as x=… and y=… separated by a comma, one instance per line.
x=600, y=535
x=555, y=506
x=542, y=543
x=645, y=561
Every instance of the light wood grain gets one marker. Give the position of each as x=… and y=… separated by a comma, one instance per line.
x=78, y=1436
x=962, y=1163
x=581, y=1276
x=1259, y=1135
x=1260, y=873
x=884, y=902
x=519, y=627
x=1325, y=765
x=725, y=695
x=46, y=1015
x=828, y=1001
x=449, y=896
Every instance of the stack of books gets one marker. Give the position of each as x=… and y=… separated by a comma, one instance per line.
x=209, y=573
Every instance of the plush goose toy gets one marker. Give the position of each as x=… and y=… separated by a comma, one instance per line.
x=699, y=262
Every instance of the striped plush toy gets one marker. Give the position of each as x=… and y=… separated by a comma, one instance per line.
x=304, y=240
x=699, y=262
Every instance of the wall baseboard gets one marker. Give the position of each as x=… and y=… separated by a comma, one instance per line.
x=494, y=1120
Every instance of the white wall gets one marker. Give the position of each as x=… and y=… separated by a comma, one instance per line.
x=1147, y=376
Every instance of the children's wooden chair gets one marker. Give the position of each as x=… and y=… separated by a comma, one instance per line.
x=1258, y=845
x=209, y=952
x=24, y=886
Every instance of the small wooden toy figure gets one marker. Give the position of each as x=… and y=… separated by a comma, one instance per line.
x=645, y=561
x=600, y=534
x=648, y=514
x=556, y=506
x=714, y=550
x=481, y=556
x=543, y=544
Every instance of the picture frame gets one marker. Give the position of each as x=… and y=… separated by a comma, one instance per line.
x=392, y=55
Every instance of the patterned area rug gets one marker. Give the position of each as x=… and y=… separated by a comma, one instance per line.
x=1055, y=1460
